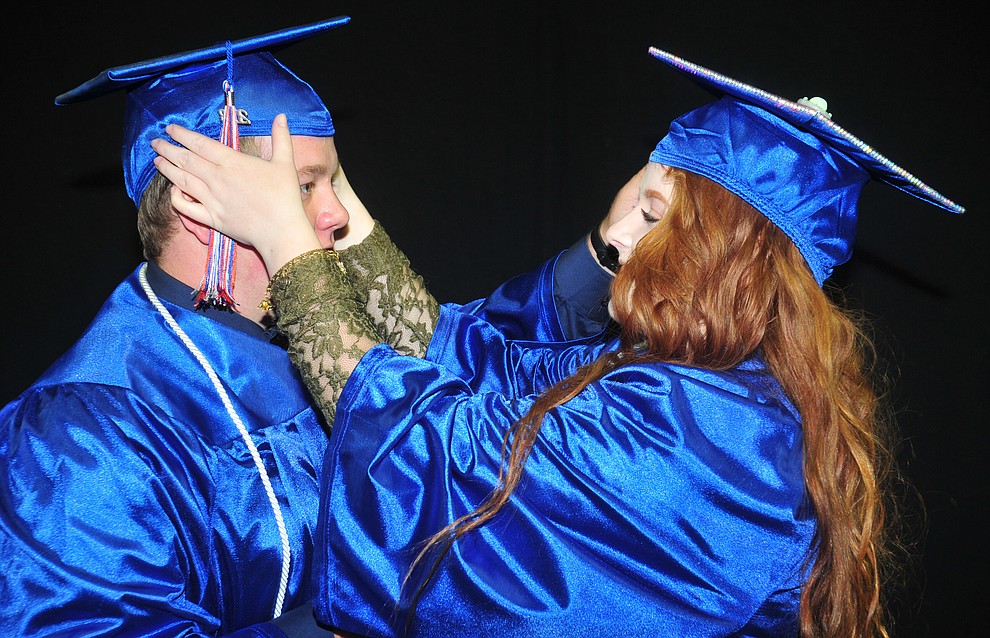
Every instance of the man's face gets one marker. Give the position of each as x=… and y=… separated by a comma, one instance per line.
x=318, y=169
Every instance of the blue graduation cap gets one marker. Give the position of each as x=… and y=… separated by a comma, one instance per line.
x=188, y=89
x=787, y=159
x=222, y=91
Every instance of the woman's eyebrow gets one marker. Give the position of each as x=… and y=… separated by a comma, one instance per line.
x=657, y=194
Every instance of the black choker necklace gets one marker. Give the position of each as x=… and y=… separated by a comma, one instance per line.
x=608, y=256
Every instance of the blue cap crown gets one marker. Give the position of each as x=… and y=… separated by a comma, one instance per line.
x=188, y=89
x=787, y=159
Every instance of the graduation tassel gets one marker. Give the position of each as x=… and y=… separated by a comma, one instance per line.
x=217, y=287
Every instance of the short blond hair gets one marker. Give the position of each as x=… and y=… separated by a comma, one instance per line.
x=156, y=221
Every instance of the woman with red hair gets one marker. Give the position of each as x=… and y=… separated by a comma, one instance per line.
x=717, y=468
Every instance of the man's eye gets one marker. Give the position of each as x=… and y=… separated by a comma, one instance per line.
x=306, y=189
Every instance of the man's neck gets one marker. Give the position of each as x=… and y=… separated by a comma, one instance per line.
x=180, y=293
x=184, y=260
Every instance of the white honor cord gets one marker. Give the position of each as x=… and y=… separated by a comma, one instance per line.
x=170, y=320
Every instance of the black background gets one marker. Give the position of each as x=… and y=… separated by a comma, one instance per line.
x=488, y=135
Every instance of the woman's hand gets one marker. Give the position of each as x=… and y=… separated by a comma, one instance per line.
x=252, y=200
x=360, y=223
x=626, y=201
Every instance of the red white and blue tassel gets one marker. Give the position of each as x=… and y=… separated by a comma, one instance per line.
x=217, y=287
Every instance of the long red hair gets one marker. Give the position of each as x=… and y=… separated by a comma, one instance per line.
x=711, y=285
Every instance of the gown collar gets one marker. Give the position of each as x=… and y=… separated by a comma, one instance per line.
x=174, y=291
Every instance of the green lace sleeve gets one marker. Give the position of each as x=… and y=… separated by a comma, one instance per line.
x=323, y=317
x=395, y=297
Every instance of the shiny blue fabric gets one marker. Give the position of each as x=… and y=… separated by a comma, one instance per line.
x=787, y=159
x=523, y=307
x=193, y=97
x=806, y=186
x=187, y=89
x=129, y=503
x=662, y=500
x=563, y=299
x=811, y=119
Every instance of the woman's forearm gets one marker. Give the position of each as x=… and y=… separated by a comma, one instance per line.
x=324, y=320
x=395, y=297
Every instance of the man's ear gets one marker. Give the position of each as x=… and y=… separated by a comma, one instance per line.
x=200, y=231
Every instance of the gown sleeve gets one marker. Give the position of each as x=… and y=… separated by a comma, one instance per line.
x=563, y=299
x=644, y=509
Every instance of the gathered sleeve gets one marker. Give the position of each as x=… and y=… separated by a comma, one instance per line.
x=564, y=299
x=659, y=501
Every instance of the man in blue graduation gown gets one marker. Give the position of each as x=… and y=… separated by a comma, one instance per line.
x=161, y=477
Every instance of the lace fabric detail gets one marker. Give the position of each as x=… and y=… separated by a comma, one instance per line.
x=395, y=297
x=331, y=318
x=323, y=318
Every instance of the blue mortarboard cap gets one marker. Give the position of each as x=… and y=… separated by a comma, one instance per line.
x=188, y=89
x=787, y=159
